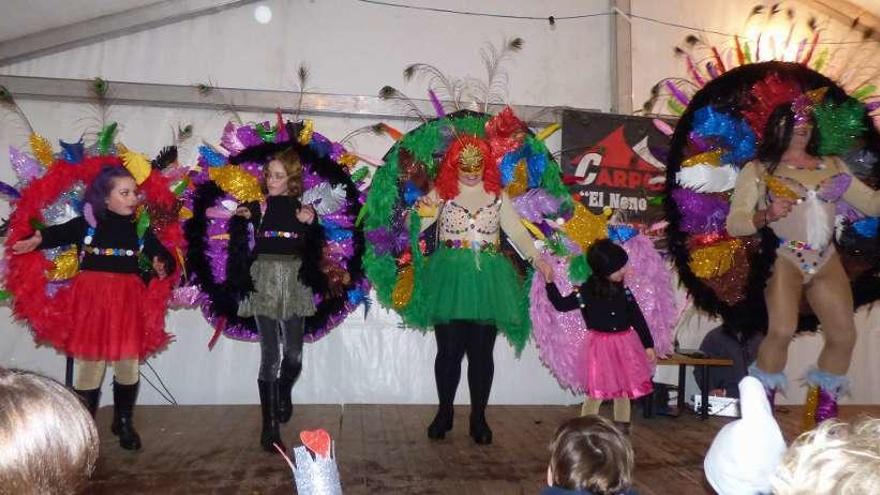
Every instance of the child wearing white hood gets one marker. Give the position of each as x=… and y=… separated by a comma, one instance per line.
x=746, y=452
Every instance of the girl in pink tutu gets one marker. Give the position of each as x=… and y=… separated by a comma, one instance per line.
x=618, y=354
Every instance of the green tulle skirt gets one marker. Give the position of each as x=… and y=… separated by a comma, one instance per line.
x=460, y=284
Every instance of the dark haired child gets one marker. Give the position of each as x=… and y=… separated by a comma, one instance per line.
x=105, y=315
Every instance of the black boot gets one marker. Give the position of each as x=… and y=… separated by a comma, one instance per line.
x=442, y=422
x=289, y=375
x=269, y=402
x=124, y=397
x=90, y=399
x=480, y=431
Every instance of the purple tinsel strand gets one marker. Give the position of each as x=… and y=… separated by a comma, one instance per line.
x=700, y=213
x=311, y=180
x=26, y=167
x=536, y=204
x=833, y=190
x=248, y=136
x=698, y=142
x=229, y=141
x=337, y=151
x=384, y=241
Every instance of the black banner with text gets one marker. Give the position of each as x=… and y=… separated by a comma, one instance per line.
x=614, y=161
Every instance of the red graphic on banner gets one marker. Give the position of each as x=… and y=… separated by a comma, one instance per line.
x=614, y=174
x=618, y=166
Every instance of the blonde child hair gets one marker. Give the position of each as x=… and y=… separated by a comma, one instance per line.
x=835, y=458
x=48, y=440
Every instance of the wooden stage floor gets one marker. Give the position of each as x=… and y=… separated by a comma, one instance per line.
x=384, y=449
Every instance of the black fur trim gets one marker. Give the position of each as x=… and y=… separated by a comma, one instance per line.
x=166, y=156
x=239, y=258
x=223, y=297
x=310, y=271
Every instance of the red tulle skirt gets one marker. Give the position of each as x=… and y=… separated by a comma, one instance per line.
x=105, y=316
x=616, y=365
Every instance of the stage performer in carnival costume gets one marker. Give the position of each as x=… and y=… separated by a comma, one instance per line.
x=447, y=230
x=467, y=289
x=273, y=253
x=770, y=200
x=113, y=309
x=795, y=192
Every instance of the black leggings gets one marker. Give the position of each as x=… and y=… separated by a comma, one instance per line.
x=291, y=342
x=454, y=340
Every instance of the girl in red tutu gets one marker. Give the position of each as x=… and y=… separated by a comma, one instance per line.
x=619, y=350
x=105, y=315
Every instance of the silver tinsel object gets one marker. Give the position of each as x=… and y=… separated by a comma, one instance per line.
x=325, y=198
x=316, y=475
x=67, y=207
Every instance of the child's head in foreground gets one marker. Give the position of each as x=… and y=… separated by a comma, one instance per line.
x=589, y=453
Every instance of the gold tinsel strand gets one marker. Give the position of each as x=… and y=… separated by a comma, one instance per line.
x=712, y=157
x=809, y=419
x=235, y=181
x=185, y=213
x=305, y=134
x=137, y=164
x=66, y=266
x=520, y=182
x=584, y=227
x=715, y=260
x=780, y=190
x=535, y=231
x=42, y=149
x=348, y=160
x=402, y=293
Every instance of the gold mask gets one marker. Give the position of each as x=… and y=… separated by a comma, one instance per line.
x=470, y=160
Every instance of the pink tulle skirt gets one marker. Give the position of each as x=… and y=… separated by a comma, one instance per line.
x=616, y=365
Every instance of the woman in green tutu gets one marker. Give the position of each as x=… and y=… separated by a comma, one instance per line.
x=468, y=289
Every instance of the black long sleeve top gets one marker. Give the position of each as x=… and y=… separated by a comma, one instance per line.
x=113, y=231
x=278, y=231
x=615, y=314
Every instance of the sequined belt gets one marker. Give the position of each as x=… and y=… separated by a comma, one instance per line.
x=280, y=234
x=483, y=246
x=99, y=251
x=110, y=251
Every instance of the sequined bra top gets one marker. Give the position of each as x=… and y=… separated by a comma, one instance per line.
x=810, y=224
x=461, y=228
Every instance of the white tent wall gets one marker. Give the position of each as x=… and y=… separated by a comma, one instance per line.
x=355, y=48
